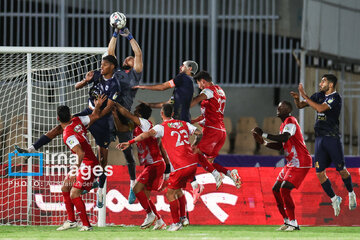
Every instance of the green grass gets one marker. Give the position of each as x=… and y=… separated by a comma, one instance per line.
x=191, y=232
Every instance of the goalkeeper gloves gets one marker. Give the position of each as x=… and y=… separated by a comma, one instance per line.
x=126, y=33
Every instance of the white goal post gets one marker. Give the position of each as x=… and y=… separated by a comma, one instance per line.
x=33, y=82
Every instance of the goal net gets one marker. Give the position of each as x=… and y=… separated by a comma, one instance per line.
x=33, y=83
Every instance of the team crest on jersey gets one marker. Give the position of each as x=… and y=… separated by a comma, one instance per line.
x=329, y=101
x=115, y=96
x=176, y=125
x=78, y=128
x=106, y=87
x=220, y=92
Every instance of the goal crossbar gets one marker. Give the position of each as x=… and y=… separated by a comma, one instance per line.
x=75, y=50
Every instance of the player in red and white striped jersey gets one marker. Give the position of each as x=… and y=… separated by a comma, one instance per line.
x=175, y=139
x=74, y=136
x=298, y=164
x=152, y=158
x=213, y=101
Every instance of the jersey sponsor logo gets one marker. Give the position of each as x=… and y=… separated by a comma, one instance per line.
x=176, y=125
x=115, y=96
x=78, y=128
x=329, y=101
x=220, y=92
x=321, y=117
x=317, y=164
x=106, y=87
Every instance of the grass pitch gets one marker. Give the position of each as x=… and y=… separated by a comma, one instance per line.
x=190, y=232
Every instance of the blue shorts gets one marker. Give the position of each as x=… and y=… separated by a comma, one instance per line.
x=328, y=150
x=100, y=129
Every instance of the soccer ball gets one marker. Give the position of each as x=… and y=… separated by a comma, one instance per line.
x=117, y=20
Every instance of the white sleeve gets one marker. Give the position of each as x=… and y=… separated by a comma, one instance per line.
x=144, y=124
x=85, y=120
x=209, y=93
x=159, y=131
x=191, y=127
x=290, y=128
x=72, y=141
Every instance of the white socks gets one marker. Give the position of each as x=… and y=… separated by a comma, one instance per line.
x=194, y=185
x=31, y=149
x=132, y=183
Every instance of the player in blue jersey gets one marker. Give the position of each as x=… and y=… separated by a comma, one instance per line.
x=183, y=90
x=128, y=76
x=328, y=147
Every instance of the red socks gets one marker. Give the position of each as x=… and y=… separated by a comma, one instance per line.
x=153, y=208
x=205, y=163
x=182, y=203
x=280, y=203
x=69, y=206
x=141, y=196
x=288, y=202
x=220, y=168
x=80, y=206
x=174, y=208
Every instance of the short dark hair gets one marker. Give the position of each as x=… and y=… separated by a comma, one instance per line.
x=203, y=75
x=288, y=104
x=331, y=78
x=111, y=59
x=63, y=113
x=167, y=109
x=144, y=110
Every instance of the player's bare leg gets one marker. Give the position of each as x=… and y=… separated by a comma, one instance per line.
x=326, y=185
x=75, y=195
x=103, y=158
x=143, y=196
x=171, y=196
x=71, y=222
x=280, y=205
x=346, y=177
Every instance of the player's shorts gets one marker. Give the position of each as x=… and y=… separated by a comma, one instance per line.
x=292, y=175
x=124, y=137
x=211, y=142
x=84, y=178
x=328, y=149
x=179, y=178
x=152, y=176
x=100, y=129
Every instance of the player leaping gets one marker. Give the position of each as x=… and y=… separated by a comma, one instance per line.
x=152, y=159
x=175, y=139
x=74, y=136
x=213, y=101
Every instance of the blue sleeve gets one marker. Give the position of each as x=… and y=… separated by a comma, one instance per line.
x=177, y=80
x=96, y=77
x=115, y=91
x=137, y=76
x=334, y=101
x=314, y=97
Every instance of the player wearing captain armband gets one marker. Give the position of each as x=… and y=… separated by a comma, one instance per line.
x=174, y=135
x=152, y=158
x=298, y=164
x=74, y=136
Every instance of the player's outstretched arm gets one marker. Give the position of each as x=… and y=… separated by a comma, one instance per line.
x=123, y=111
x=155, y=105
x=198, y=99
x=112, y=43
x=157, y=87
x=198, y=119
x=95, y=115
x=85, y=81
x=144, y=135
x=257, y=134
x=318, y=107
x=299, y=104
